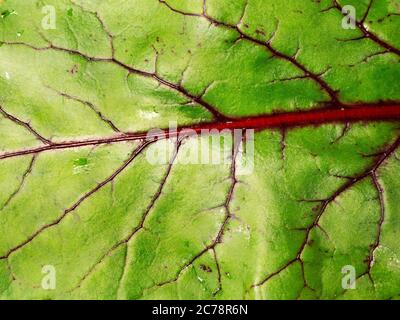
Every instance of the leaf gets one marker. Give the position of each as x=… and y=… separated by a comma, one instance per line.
x=79, y=194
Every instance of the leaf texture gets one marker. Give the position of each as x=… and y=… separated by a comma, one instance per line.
x=77, y=191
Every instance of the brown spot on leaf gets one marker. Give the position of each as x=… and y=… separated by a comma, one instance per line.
x=74, y=69
x=205, y=268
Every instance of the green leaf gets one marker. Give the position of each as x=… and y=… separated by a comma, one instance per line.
x=80, y=197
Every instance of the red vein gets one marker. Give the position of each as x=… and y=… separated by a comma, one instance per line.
x=266, y=44
x=27, y=172
x=374, y=112
x=368, y=34
x=173, y=86
x=375, y=245
x=139, y=226
x=24, y=124
x=228, y=213
x=95, y=109
x=218, y=238
x=369, y=172
x=131, y=70
x=149, y=208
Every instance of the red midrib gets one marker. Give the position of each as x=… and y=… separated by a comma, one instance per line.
x=373, y=112
x=312, y=117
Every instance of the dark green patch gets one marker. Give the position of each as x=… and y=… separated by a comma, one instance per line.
x=81, y=162
x=7, y=13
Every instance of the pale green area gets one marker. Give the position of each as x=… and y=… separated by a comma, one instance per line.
x=101, y=249
x=19, y=138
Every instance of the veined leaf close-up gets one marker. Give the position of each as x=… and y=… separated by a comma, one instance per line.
x=199, y=149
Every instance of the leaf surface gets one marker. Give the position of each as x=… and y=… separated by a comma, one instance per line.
x=77, y=191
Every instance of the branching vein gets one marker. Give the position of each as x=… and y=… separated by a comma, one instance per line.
x=98, y=187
